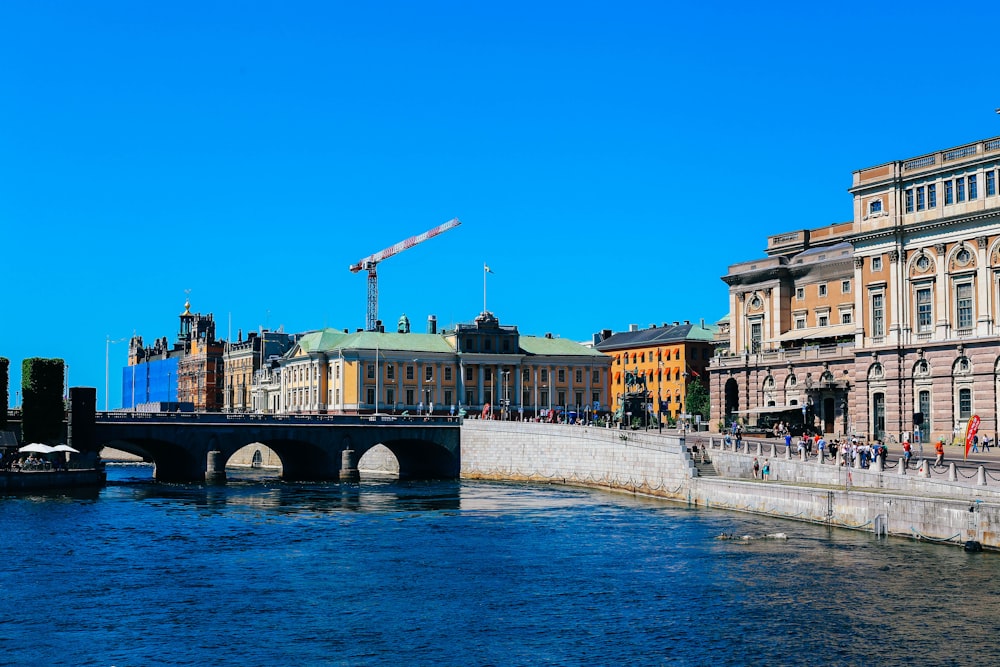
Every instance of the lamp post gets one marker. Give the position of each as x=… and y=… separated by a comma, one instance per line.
x=659, y=401
x=506, y=395
x=427, y=392
x=107, y=353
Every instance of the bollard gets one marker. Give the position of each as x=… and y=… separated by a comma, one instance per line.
x=902, y=465
x=821, y=457
x=876, y=465
x=802, y=454
x=788, y=453
x=952, y=472
x=349, y=467
x=981, y=476
x=215, y=469
x=924, y=469
x=759, y=450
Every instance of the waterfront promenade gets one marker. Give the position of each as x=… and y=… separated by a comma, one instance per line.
x=954, y=505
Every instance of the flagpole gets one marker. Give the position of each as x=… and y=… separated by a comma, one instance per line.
x=485, y=271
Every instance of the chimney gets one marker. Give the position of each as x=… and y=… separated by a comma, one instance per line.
x=676, y=323
x=652, y=325
x=597, y=339
x=703, y=323
x=432, y=324
x=687, y=321
x=633, y=328
x=605, y=334
x=548, y=335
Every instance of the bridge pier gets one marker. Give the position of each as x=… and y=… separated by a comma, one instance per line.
x=349, y=467
x=215, y=467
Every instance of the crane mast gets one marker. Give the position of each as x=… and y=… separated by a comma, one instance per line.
x=371, y=262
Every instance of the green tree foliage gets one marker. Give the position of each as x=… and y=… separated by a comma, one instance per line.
x=697, y=402
x=42, y=400
x=4, y=391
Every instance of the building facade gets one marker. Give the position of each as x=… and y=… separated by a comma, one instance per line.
x=482, y=366
x=886, y=326
x=667, y=357
x=243, y=359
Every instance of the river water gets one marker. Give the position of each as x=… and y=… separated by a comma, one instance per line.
x=258, y=572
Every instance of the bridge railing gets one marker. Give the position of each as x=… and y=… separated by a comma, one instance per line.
x=120, y=416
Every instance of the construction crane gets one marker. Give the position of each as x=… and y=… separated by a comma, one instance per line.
x=372, y=261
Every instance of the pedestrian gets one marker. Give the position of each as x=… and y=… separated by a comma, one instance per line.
x=906, y=454
x=756, y=468
x=939, y=448
x=975, y=443
x=986, y=443
x=767, y=469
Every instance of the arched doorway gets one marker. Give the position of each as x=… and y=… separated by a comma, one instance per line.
x=732, y=394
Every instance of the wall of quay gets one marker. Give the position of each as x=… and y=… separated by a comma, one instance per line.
x=887, y=503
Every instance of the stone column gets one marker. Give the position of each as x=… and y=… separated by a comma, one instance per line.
x=349, y=467
x=952, y=472
x=215, y=467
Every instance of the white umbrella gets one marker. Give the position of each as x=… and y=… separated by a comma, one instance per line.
x=65, y=448
x=36, y=447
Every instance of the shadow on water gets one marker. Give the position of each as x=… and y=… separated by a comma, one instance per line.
x=263, y=489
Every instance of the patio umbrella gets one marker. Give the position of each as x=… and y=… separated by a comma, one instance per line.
x=65, y=448
x=36, y=447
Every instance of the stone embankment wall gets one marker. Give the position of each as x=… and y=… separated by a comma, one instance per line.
x=589, y=456
x=884, y=502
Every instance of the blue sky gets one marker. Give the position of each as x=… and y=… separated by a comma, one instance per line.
x=608, y=161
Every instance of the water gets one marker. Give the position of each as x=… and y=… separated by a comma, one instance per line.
x=458, y=573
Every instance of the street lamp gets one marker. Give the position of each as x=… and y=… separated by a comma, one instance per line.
x=506, y=395
x=107, y=352
x=427, y=393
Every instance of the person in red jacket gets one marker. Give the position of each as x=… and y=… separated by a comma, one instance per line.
x=939, y=448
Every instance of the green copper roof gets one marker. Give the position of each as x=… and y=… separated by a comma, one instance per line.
x=321, y=341
x=411, y=342
x=541, y=345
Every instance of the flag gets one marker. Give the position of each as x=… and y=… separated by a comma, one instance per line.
x=970, y=433
x=487, y=269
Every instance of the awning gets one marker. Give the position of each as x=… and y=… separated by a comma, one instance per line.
x=809, y=333
x=769, y=409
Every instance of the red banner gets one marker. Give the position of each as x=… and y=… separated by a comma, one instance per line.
x=970, y=433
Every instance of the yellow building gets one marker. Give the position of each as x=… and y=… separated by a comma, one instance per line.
x=482, y=366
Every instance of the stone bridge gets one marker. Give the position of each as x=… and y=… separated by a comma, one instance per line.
x=193, y=447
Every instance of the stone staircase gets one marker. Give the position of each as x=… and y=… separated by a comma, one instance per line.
x=705, y=469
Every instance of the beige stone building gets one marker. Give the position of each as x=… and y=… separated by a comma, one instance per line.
x=884, y=325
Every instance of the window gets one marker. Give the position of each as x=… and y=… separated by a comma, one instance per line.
x=909, y=200
x=371, y=394
x=506, y=345
x=447, y=376
x=579, y=378
x=447, y=397
x=390, y=396
x=824, y=320
x=487, y=374
x=596, y=377
x=991, y=183
x=756, y=329
x=878, y=314
x=800, y=293
x=409, y=372
x=545, y=375
x=932, y=195
x=822, y=290
x=390, y=372
x=596, y=396
x=964, y=403
x=921, y=200
x=963, y=305
x=543, y=397
x=468, y=374
x=800, y=323
x=562, y=376
x=924, y=310
x=525, y=375
x=562, y=398
x=875, y=207
x=468, y=397
x=371, y=374
x=579, y=398
x=428, y=373
x=973, y=187
x=845, y=286
x=949, y=193
x=845, y=317
x=959, y=189
x=924, y=400
x=876, y=263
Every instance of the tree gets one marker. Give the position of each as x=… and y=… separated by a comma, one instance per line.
x=43, y=410
x=697, y=401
